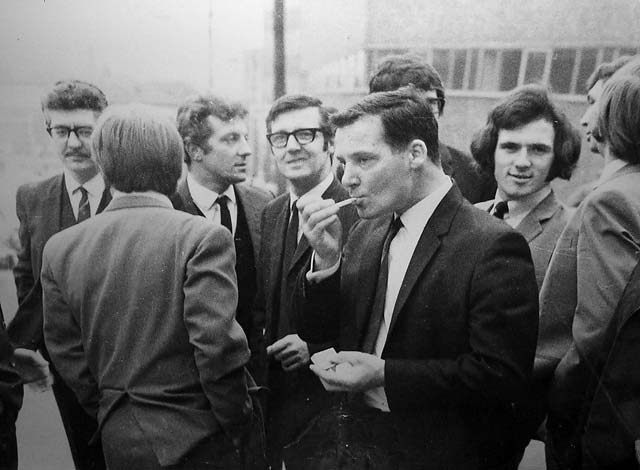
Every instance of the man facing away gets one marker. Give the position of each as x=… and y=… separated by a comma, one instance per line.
x=70, y=110
x=215, y=136
x=589, y=270
x=526, y=143
x=301, y=142
x=139, y=310
x=398, y=71
x=436, y=336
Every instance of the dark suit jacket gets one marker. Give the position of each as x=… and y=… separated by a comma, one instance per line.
x=474, y=184
x=611, y=415
x=462, y=335
x=588, y=272
x=10, y=402
x=253, y=201
x=304, y=395
x=40, y=208
x=139, y=307
x=541, y=228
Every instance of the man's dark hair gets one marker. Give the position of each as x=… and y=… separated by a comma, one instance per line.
x=71, y=95
x=288, y=103
x=523, y=106
x=605, y=71
x=405, y=115
x=408, y=69
x=137, y=149
x=618, y=118
x=193, y=119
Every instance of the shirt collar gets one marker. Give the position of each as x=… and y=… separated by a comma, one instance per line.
x=203, y=196
x=610, y=168
x=416, y=217
x=115, y=194
x=317, y=190
x=526, y=204
x=95, y=186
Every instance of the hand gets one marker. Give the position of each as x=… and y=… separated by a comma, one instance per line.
x=353, y=372
x=291, y=351
x=34, y=369
x=322, y=228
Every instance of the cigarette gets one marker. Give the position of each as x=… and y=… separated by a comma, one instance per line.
x=346, y=202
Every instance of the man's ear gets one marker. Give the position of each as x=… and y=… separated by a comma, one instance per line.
x=417, y=153
x=195, y=152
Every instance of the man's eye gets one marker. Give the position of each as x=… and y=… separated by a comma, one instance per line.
x=509, y=147
x=539, y=149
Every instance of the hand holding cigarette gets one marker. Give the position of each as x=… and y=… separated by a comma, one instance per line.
x=322, y=228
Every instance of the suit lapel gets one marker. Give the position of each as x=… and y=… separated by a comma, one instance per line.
x=531, y=226
x=187, y=200
x=437, y=226
x=105, y=200
x=251, y=213
x=366, y=275
x=277, y=249
x=56, y=197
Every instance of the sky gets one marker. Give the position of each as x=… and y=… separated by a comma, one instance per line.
x=44, y=40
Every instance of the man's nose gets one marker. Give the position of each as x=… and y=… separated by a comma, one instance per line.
x=292, y=143
x=245, y=148
x=522, y=158
x=73, y=140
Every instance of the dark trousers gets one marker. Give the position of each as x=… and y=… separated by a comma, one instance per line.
x=79, y=427
x=8, y=446
x=127, y=447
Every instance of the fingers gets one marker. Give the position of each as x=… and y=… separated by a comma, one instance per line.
x=278, y=346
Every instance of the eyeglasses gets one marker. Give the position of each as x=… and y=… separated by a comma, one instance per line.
x=62, y=132
x=279, y=140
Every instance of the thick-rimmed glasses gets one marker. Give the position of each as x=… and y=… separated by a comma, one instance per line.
x=279, y=140
x=62, y=132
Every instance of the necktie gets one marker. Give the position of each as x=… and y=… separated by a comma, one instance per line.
x=290, y=245
x=377, y=311
x=500, y=210
x=84, y=209
x=225, y=215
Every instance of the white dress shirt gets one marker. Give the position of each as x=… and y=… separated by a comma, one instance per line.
x=401, y=249
x=610, y=168
x=95, y=187
x=205, y=200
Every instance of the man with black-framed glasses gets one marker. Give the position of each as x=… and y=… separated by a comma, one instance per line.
x=71, y=109
x=301, y=141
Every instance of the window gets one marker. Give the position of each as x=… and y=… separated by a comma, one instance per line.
x=562, y=64
x=441, y=64
x=510, y=69
x=459, y=64
x=489, y=72
x=534, y=72
x=473, y=69
x=588, y=60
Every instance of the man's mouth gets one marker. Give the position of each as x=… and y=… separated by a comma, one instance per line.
x=520, y=177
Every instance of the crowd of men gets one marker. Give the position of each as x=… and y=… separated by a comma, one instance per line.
x=403, y=305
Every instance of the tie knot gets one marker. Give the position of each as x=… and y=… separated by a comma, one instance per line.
x=500, y=209
x=222, y=199
x=82, y=190
x=396, y=225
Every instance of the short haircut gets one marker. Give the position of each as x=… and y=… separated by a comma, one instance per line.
x=193, y=119
x=405, y=115
x=137, y=149
x=618, y=118
x=605, y=71
x=71, y=95
x=288, y=103
x=401, y=70
x=521, y=107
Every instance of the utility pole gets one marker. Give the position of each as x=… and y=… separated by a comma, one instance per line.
x=279, y=65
